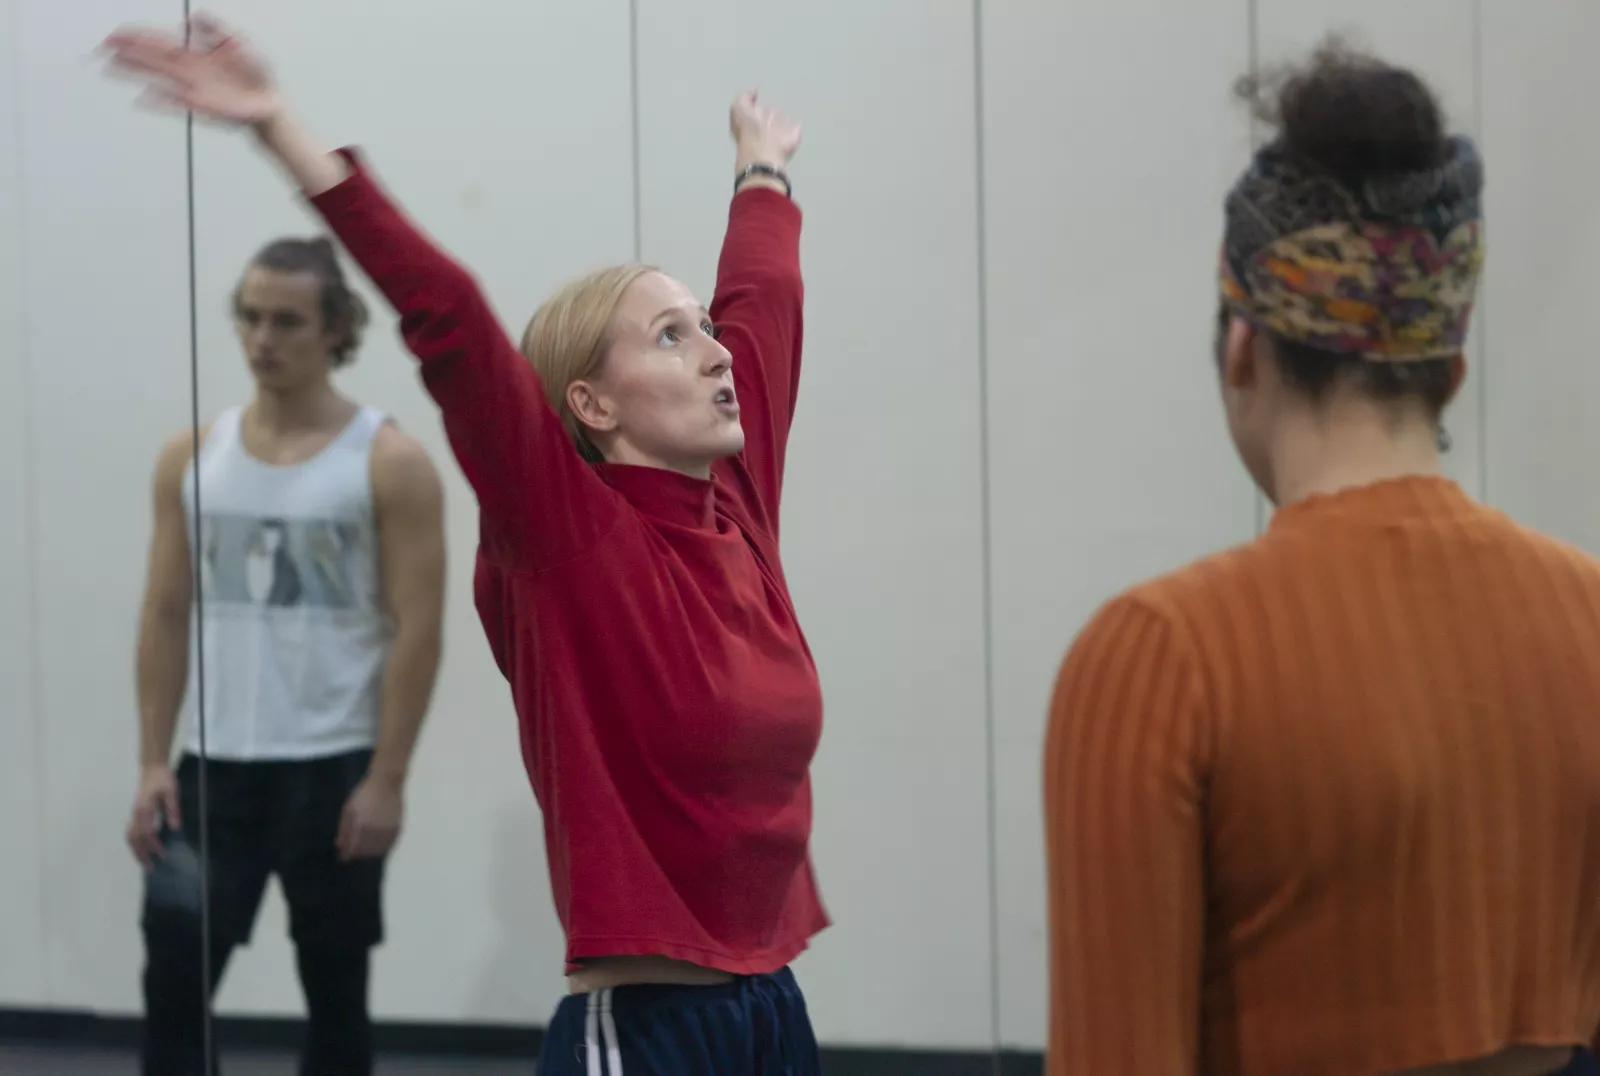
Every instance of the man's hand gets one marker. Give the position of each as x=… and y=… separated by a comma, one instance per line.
x=155, y=802
x=371, y=821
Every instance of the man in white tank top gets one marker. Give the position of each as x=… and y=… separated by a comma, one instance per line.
x=301, y=669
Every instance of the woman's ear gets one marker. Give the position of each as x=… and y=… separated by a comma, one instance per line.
x=592, y=410
x=1239, y=354
x=1458, y=373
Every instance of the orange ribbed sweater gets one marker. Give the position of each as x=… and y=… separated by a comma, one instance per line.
x=1328, y=804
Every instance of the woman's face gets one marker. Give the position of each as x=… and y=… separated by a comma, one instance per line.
x=664, y=395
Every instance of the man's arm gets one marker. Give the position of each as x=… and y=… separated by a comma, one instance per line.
x=409, y=499
x=409, y=504
x=163, y=654
x=1126, y=758
x=162, y=662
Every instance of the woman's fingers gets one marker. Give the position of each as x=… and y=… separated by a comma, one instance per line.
x=149, y=57
x=206, y=22
x=143, y=43
x=137, y=37
x=160, y=99
x=207, y=32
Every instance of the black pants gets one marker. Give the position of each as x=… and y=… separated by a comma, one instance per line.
x=263, y=818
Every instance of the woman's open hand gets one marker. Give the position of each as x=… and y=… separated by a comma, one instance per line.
x=215, y=74
x=763, y=134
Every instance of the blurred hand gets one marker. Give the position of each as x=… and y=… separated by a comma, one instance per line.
x=217, y=75
x=371, y=821
x=764, y=135
x=155, y=802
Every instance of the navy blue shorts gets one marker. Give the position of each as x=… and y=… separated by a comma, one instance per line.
x=755, y=1025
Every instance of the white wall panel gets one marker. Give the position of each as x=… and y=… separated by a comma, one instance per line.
x=22, y=976
x=1437, y=39
x=1109, y=141
x=882, y=517
x=505, y=130
x=1542, y=149
x=104, y=275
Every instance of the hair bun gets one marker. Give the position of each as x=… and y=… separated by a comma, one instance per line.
x=1352, y=115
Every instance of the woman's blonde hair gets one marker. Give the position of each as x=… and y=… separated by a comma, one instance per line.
x=570, y=334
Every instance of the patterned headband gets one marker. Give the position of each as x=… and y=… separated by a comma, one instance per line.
x=1387, y=271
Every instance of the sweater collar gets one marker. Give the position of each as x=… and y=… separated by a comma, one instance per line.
x=1392, y=500
x=664, y=495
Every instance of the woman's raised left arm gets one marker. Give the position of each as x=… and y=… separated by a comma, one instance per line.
x=759, y=302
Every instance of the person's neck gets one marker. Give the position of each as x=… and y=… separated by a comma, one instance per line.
x=1349, y=447
x=315, y=407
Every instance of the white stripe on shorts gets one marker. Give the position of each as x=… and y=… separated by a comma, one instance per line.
x=600, y=1032
x=591, y=1029
x=608, y=1029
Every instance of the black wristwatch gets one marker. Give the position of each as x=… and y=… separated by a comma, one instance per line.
x=763, y=170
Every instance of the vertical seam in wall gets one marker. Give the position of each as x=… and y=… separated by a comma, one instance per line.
x=986, y=545
x=1253, y=58
x=30, y=499
x=1481, y=349
x=202, y=789
x=633, y=84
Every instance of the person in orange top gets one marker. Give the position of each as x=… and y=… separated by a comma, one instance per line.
x=1328, y=804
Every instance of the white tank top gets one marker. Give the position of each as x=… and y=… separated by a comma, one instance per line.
x=295, y=633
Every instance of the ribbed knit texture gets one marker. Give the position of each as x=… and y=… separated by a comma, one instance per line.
x=1329, y=803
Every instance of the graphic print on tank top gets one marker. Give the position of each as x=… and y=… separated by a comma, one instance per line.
x=290, y=612
x=283, y=562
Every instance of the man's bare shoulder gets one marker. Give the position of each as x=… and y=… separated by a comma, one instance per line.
x=177, y=449
x=402, y=470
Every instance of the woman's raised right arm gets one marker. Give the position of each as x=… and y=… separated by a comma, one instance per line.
x=536, y=493
x=540, y=502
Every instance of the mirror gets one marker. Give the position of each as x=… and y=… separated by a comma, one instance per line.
x=95, y=342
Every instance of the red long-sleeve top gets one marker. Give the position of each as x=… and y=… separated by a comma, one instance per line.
x=668, y=704
x=1329, y=803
